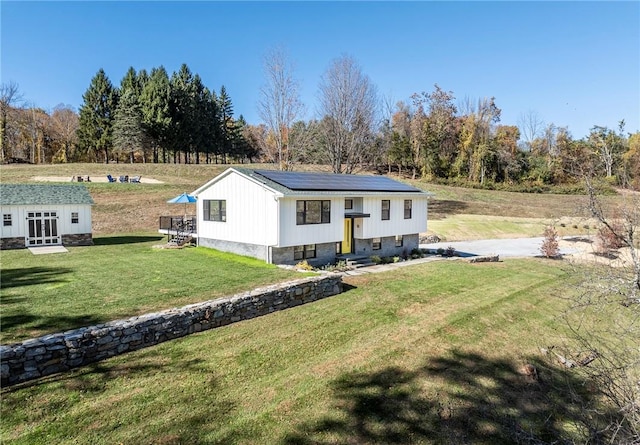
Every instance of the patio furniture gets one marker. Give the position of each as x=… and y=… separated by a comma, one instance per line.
x=136, y=179
x=111, y=178
x=124, y=178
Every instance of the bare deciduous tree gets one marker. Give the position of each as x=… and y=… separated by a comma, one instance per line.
x=348, y=105
x=9, y=97
x=64, y=124
x=608, y=145
x=280, y=106
x=531, y=127
x=604, y=322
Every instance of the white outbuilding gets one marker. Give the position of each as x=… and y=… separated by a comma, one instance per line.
x=45, y=215
x=286, y=217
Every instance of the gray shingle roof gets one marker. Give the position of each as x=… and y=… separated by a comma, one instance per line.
x=44, y=194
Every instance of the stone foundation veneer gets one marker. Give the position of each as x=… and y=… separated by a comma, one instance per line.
x=325, y=254
x=12, y=243
x=77, y=239
x=51, y=354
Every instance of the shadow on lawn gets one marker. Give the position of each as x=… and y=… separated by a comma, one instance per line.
x=27, y=276
x=113, y=240
x=483, y=401
x=192, y=388
x=49, y=324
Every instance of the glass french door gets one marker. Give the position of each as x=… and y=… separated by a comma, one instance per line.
x=43, y=228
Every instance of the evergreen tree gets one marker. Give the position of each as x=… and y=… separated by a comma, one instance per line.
x=199, y=124
x=227, y=125
x=130, y=83
x=97, y=115
x=182, y=112
x=156, y=118
x=128, y=132
x=210, y=121
x=243, y=150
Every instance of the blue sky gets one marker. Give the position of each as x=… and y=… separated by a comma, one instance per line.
x=575, y=64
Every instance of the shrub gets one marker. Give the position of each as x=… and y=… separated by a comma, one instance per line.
x=303, y=265
x=607, y=240
x=550, y=247
x=451, y=251
x=376, y=259
x=340, y=266
x=439, y=251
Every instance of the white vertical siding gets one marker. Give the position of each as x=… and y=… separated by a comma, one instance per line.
x=17, y=222
x=292, y=234
x=19, y=225
x=251, y=212
x=374, y=226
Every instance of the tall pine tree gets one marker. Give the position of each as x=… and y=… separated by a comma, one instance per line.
x=154, y=103
x=96, y=117
x=227, y=125
x=129, y=135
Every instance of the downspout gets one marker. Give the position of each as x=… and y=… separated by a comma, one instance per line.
x=277, y=200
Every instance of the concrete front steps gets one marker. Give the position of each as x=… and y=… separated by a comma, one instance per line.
x=356, y=261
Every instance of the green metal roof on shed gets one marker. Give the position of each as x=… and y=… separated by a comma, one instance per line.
x=44, y=194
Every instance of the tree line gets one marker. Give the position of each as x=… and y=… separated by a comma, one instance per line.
x=154, y=117
x=150, y=117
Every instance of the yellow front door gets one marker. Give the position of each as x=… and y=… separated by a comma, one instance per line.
x=348, y=235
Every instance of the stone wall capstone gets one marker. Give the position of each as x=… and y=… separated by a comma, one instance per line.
x=54, y=353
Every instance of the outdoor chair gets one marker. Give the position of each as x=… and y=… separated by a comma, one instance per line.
x=124, y=178
x=136, y=179
x=111, y=178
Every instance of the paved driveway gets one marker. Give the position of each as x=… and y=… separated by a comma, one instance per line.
x=518, y=247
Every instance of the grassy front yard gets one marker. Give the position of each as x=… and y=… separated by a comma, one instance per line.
x=431, y=353
x=426, y=354
x=119, y=277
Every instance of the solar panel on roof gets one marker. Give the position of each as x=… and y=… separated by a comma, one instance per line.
x=335, y=182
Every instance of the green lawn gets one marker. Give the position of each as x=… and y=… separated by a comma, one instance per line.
x=426, y=354
x=119, y=277
x=464, y=227
x=429, y=353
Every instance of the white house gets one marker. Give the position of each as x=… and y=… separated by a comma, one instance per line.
x=45, y=215
x=287, y=217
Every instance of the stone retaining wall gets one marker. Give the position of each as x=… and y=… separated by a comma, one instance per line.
x=484, y=259
x=39, y=357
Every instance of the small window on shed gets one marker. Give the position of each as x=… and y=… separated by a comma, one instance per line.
x=6, y=220
x=74, y=218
